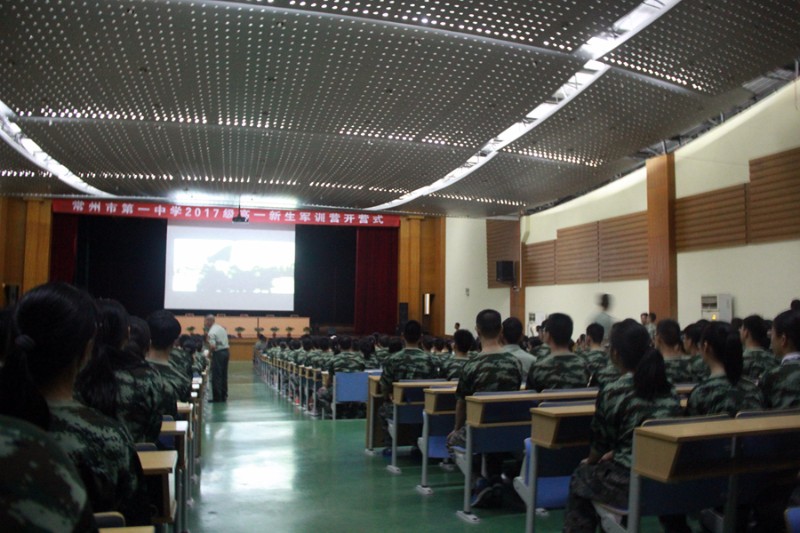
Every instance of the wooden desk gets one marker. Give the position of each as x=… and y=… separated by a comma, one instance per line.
x=661, y=451
x=480, y=408
x=159, y=470
x=558, y=427
x=440, y=400
x=179, y=430
x=438, y=419
x=374, y=402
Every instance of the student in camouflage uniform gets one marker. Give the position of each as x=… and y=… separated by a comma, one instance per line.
x=451, y=368
x=381, y=350
x=410, y=363
x=561, y=369
x=54, y=330
x=491, y=370
x=164, y=330
x=781, y=385
x=642, y=393
x=595, y=357
x=346, y=361
x=118, y=383
x=757, y=356
x=681, y=368
x=725, y=390
x=40, y=490
x=367, y=348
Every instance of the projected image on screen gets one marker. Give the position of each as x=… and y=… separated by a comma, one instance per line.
x=242, y=268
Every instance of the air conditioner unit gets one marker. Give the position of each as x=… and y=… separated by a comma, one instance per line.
x=716, y=307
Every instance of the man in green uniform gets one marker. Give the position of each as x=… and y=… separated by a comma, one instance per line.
x=781, y=385
x=561, y=369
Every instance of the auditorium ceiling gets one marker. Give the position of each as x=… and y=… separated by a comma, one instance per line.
x=445, y=107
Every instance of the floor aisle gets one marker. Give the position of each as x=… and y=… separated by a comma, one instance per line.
x=266, y=466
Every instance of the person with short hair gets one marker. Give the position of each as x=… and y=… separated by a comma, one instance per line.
x=164, y=331
x=561, y=369
x=681, y=368
x=642, y=393
x=451, y=368
x=603, y=317
x=218, y=344
x=511, y=336
x=595, y=357
x=781, y=385
x=725, y=390
x=493, y=369
x=757, y=357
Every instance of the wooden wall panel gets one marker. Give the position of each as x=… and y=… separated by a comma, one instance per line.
x=432, y=235
x=13, y=212
x=623, y=247
x=711, y=220
x=662, y=259
x=576, y=254
x=502, y=244
x=773, y=197
x=540, y=264
x=38, y=229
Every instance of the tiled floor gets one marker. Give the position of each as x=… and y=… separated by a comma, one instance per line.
x=268, y=467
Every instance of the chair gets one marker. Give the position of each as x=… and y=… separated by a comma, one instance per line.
x=109, y=519
x=654, y=498
x=167, y=443
x=349, y=387
x=145, y=447
x=793, y=519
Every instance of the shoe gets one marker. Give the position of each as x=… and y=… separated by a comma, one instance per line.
x=481, y=493
x=387, y=452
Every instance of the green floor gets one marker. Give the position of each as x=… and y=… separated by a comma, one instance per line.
x=267, y=466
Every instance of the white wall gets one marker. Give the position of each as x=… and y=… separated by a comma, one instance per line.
x=721, y=157
x=762, y=278
x=625, y=196
x=579, y=301
x=465, y=269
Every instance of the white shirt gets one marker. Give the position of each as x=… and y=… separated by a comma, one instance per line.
x=217, y=337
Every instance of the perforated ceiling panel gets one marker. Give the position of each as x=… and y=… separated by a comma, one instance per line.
x=714, y=45
x=353, y=103
x=157, y=159
x=18, y=176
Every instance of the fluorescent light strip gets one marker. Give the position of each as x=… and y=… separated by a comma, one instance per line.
x=625, y=28
x=12, y=134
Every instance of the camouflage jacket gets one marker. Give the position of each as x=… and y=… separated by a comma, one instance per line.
x=346, y=362
x=543, y=350
x=182, y=361
x=181, y=378
x=608, y=374
x=199, y=363
x=451, y=367
x=381, y=354
x=411, y=363
x=103, y=453
x=319, y=359
x=757, y=362
x=781, y=385
x=685, y=369
x=619, y=411
x=169, y=396
x=595, y=361
x=557, y=371
x=40, y=490
x=715, y=395
x=489, y=372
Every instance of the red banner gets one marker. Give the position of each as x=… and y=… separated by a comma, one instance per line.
x=222, y=214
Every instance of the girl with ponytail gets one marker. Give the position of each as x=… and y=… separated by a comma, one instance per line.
x=641, y=393
x=53, y=332
x=724, y=390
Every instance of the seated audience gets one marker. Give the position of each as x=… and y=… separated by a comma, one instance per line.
x=54, y=332
x=757, y=356
x=642, y=393
x=781, y=385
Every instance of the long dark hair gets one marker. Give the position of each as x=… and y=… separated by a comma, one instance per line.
x=50, y=330
x=630, y=341
x=97, y=385
x=726, y=345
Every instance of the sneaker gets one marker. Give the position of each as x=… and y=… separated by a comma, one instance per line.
x=481, y=493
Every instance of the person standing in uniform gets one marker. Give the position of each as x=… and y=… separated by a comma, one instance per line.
x=217, y=338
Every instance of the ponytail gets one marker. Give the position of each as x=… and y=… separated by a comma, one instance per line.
x=726, y=347
x=650, y=377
